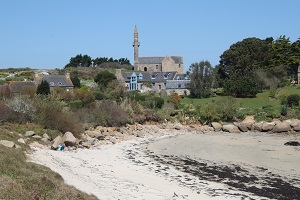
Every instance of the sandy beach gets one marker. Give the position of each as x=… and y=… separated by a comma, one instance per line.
x=184, y=166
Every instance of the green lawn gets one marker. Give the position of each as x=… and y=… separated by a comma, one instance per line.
x=261, y=99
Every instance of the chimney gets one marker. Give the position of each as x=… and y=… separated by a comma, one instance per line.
x=68, y=75
x=36, y=76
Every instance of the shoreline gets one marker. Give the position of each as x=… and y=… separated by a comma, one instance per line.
x=259, y=176
x=128, y=170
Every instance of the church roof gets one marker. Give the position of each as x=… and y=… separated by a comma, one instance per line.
x=158, y=60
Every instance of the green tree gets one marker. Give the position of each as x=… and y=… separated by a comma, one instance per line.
x=238, y=64
x=80, y=61
x=43, y=88
x=104, y=77
x=201, y=79
x=76, y=81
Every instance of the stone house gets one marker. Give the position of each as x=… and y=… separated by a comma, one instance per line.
x=155, y=81
x=63, y=81
x=18, y=87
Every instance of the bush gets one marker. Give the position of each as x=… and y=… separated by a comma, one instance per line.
x=51, y=114
x=76, y=104
x=22, y=109
x=175, y=99
x=159, y=102
x=224, y=109
x=110, y=114
x=293, y=100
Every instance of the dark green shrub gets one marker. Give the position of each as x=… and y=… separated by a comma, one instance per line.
x=76, y=104
x=43, y=88
x=159, y=102
x=293, y=100
x=283, y=111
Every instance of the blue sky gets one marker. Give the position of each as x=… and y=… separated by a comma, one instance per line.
x=46, y=34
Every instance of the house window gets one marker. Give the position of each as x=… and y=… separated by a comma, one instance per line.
x=145, y=69
x=159, y=87
x=153, y=84
x=179, y=66
x=165, y=85
x=156, y=66
x=179, y=85
x=140, y=76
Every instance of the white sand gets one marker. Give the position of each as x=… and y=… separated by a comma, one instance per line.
x=251, y=148
x=110, y=173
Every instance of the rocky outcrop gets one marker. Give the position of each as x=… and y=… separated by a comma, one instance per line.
x=95, y=137
x=217, y=126
x=281, y=127
x=29, y=133
x=69, y=139
x=7, y=143
x=231, y=128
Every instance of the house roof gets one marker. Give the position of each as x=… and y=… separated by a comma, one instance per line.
x=143, y=76
x=162, y=76
x=56, y=80
x=16, y=86
x=177, y=84
x=158, y=60
x=181, y=77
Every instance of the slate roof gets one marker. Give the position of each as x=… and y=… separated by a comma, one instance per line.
x=174, y=84
x=145, y=76
x=181, y=77
x=16, y=86
x=158, y=60
x=57, y=80
x=162, y=76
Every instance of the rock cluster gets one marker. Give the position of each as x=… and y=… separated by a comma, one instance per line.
x=95, y=137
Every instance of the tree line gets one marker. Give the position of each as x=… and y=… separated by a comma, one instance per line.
x=248, y=67
x=87, y=61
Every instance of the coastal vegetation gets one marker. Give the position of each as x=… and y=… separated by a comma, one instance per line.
x=255, y=77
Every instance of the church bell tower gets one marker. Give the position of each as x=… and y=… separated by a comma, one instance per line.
x=136, y=45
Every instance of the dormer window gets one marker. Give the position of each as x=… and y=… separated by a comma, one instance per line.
x=166, y=76
x=178, y=77
x=59, y=83
x=153, y=76
x=140, y=76
x=51, y=83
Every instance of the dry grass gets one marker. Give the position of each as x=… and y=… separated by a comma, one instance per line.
x=20, y=179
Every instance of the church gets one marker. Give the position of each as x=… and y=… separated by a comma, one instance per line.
x=155, y=64
x=155, y=73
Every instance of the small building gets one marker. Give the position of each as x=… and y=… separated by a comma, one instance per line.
x=18, y=87
x=63, y=81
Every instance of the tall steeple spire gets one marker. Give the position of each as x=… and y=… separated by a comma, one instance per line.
x=136, y=45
